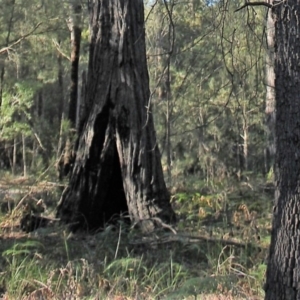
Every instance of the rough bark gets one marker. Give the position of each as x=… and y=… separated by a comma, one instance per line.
x=117, y=167
x=283, y=272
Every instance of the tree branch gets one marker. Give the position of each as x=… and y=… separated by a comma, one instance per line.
x=57, y=46
x=259, y=3
x=5, y=49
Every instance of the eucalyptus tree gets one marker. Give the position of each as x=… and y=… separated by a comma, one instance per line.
x=117, y=167
x=65, y=156
x=284, y=265
x=161, y=36
x=216, y=83
x=26, y=62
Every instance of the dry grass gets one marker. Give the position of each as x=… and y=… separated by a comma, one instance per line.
x=210, y=257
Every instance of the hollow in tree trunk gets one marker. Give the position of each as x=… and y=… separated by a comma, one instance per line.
x=117, y=167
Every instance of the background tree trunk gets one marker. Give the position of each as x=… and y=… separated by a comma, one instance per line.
x=117, y=167
x=14, y=159
x=284, y=264
x=66, y=160
x=24, y=155
x=75, y=29
x=270, y=95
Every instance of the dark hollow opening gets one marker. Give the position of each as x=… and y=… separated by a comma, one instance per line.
x=115, y=205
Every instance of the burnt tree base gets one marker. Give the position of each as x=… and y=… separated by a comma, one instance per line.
x=31, y=222
x=108, y=207
x=118, y=165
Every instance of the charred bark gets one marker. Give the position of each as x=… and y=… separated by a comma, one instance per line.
x=117, y=166
x=31, y=222
x=284, y=264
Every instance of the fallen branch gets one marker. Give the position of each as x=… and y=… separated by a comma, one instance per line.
x=30, y=222
x=192, y=239
x=39, y=141
x=57, y=46
x=159, y=222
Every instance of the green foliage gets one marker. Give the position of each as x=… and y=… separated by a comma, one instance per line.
x=22, y=265
x=15, y=113
x=129, y=272
x=21, y=249
x=32, y=80
x=216, y=108
x=216, y=68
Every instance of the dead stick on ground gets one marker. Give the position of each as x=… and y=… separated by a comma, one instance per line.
x=193, y=239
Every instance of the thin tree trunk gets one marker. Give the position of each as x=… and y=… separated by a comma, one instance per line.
x=75, y=28
x=84, y=106
x=66, y=157
x=66, y=161
x=284, y=265
x=60, y=88
x=8, y=150
x=171, y=38
x=117, y=167
x=24, y=155
x=168, y=126
x=239, y=157
x=270, y=95
x=2, y=80
x=59, y=154
x=14, y=160
x=40, y=104
x=245, y=138
x=34, y=154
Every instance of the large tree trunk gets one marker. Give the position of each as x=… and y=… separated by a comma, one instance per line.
x=117, y=167
x=283, y=273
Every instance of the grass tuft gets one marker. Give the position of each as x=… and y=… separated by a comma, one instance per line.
x=219, y=252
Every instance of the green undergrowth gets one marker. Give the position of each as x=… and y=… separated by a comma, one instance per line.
x=220, y=248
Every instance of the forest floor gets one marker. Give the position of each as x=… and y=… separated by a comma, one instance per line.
x=217, y=249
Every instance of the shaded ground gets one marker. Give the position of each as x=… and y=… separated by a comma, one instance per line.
x=218, y=250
